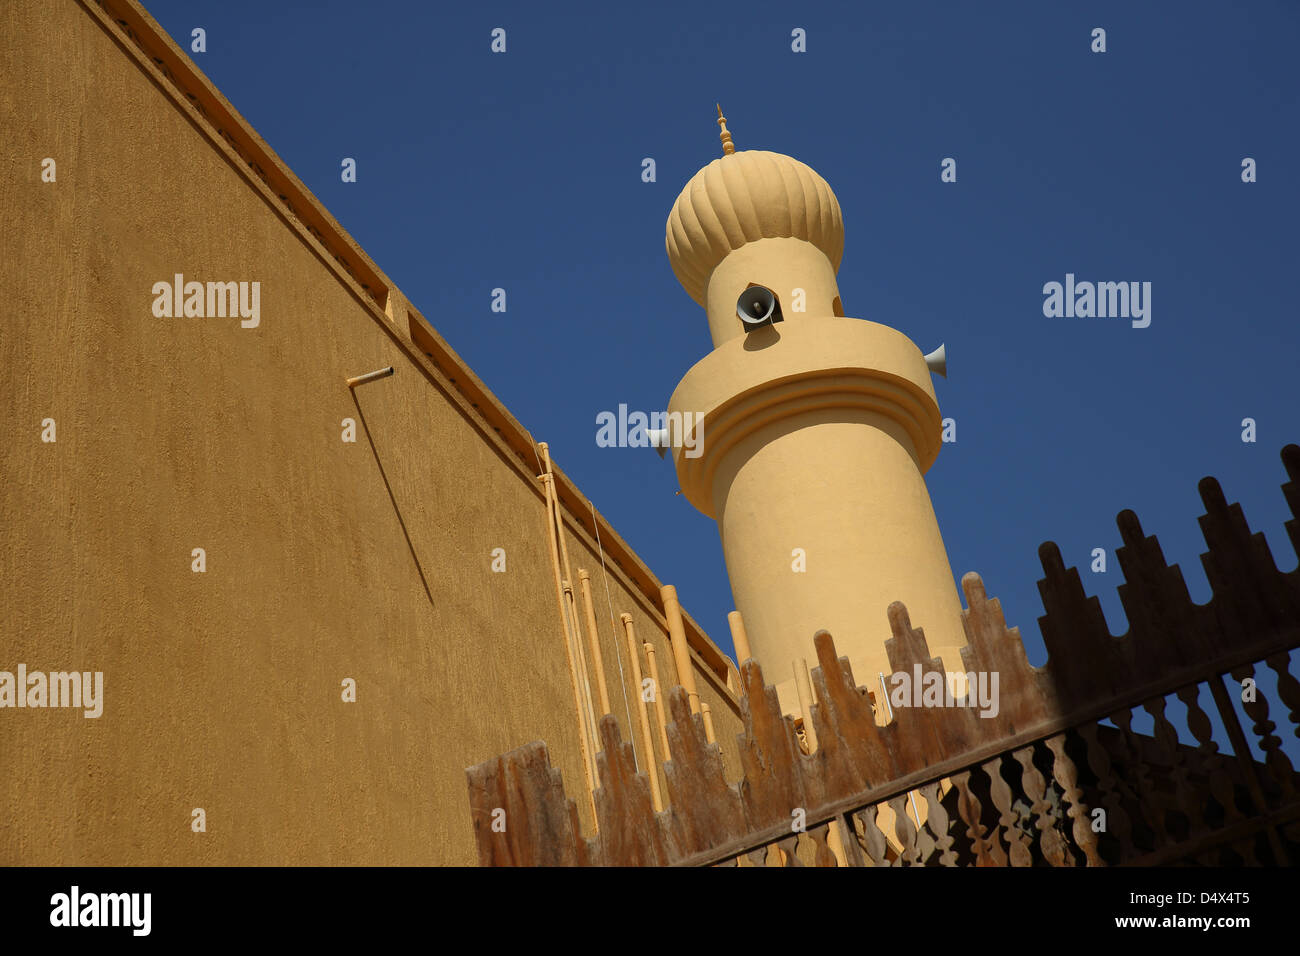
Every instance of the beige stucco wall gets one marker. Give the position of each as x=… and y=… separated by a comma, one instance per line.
x=222, y=689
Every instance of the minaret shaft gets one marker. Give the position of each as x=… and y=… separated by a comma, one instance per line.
x=825, y=519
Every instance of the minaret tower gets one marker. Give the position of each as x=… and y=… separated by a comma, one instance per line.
x=814, y=431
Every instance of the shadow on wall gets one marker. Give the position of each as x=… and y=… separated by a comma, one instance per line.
x=396, y=510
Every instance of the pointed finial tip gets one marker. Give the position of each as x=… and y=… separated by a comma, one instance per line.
x=727, y=147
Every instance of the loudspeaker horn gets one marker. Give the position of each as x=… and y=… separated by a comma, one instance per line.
x=756, y=306
x=937, y=362
x=659, y=439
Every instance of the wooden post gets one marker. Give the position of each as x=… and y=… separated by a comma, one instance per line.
x=855, y=856
x=659, y=699
x=739, y=637
x=890, y=709
x=681, y=653
x=804, y=687
x=593, y=635
x=803, y=682
x=647, y=737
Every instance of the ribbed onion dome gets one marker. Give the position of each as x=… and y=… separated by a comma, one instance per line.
x=749, y=195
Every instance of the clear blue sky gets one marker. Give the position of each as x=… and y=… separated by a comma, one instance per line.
x=523, y=171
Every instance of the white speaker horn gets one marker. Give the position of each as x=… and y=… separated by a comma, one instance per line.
x=659, y=439
x=937, y=362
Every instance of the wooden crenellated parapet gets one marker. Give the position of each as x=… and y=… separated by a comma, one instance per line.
x=1024, y=786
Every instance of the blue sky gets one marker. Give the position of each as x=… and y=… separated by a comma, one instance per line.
x=523, y=171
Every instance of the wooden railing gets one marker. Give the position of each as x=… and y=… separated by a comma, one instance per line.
x=1057, y=777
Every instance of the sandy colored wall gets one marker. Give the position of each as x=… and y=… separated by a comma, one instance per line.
x=325, y=560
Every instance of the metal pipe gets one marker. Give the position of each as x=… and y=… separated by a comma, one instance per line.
x=582, y=667
x=581, y=654
x=583, y=744
x=677, y=636
x=370, y=377
x=707, y=714
x=647, y=737
x=609, y=604
x=659, y=698
x=739, y=637
x=593, y=636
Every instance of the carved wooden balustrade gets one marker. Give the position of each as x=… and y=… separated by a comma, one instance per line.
x=1057, y=777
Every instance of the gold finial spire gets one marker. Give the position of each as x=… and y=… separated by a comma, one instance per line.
x=727, y=147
